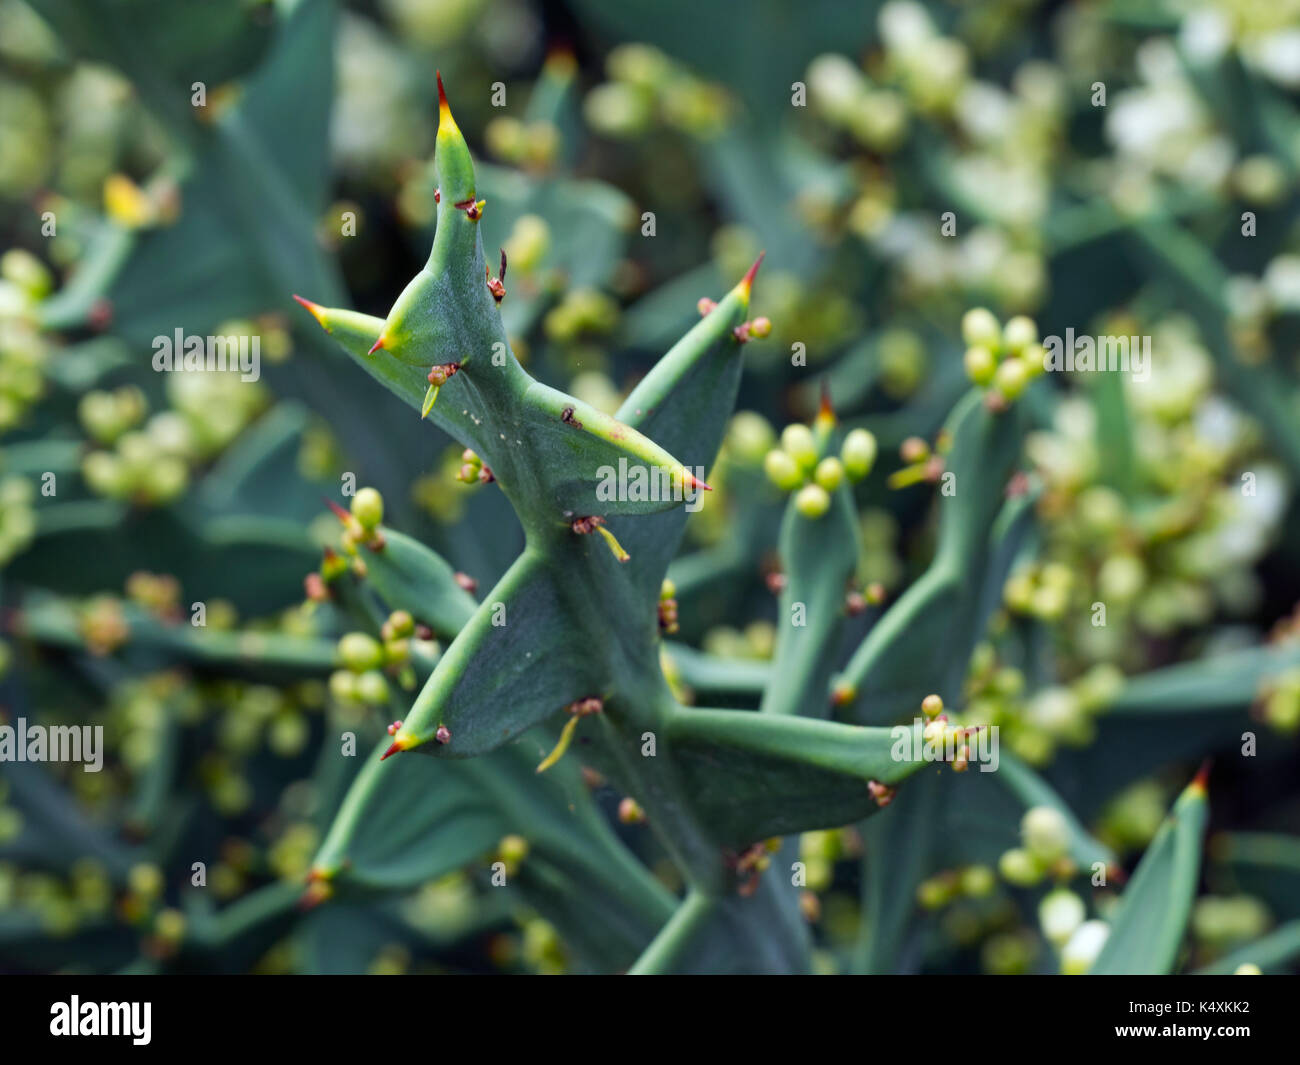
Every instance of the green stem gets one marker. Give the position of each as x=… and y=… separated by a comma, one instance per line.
x=673, y=940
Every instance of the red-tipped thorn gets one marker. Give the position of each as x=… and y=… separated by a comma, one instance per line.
x=397, y=746
x=826, y=410
x=442, y=95
x=691, y=481
x=314, y=309
x=1202, y=778
x=339, y=512
x=376, y=345
x=747, y=282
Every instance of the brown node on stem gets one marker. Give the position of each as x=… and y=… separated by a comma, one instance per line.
x=473, y=208
x=496, y=285
x=566, y=416
x=439, y=374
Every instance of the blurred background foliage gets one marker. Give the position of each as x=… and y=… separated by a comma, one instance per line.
x=1099, y=159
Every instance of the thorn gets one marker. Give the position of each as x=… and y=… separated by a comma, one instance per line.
x=318, y=890
x=566, y=737
x=1202, y=779
x=826, y=410
x=394, y=749
x=444, y=108
x=376, y=345
x=339, y=512
x=691, y=481
x=614, y=545
x=747, y=282
x=502, y=276
x=430, y=397
x=314, y=309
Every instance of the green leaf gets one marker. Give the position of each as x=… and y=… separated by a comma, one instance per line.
x=818, y=557
x=899, y=846
x=1272, y=953
x=490, y=685
x=753, y=776
x=411, y=577
x=937, y=621
x=402, y=823
x=1148, y=924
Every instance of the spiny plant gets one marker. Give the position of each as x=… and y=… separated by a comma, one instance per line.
x=572, y=632
x=573, y=628
x=583, y=808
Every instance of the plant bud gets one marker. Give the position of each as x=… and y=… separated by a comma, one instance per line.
x=1011, y=378
x=372, y=688
x=797, y=440
x=858, y=453
x=829, y=473
x=760, y=328
x=781, y=470
x=359, y=652
x=812, y=501
x=343, y=686
x=932, y=706
x=368, y=507
x=1019, y=333
x=1060, y=914
x=1079, y=953
x=1018, y=867
x=1045, y=832
x=980, y=327
x=981, y=364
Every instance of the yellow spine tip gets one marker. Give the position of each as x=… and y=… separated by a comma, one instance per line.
x=446, y=123
x=314, y=309
x=613, y=543
x=825, y=412
x=403, y=742
x=746, y=284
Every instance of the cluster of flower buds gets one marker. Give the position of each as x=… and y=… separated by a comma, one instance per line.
x=159, y=593
x=365, y=662
x=945, y=888
x=798, y=464
x=648, y=89
x=530, y=145
x=1001, y=359
x=944, y=736
x=1042, y=591
x=472, y=470
x=1045, y=838
x=668, y=608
